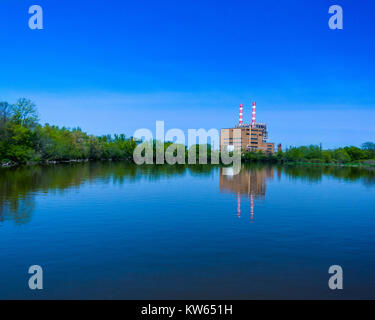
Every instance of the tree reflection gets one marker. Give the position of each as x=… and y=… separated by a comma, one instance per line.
x=251, y=183
x=18, y=186
x=345, y=173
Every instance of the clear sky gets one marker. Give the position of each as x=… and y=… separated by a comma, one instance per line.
x=117, y=66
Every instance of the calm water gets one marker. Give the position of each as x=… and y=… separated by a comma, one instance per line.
x=110, y=230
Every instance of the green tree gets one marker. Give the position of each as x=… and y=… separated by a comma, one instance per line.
x=368, y=146
x=369, y=149
x=326, y=155
x=341, y=156
x=18, y=146
x=355, y=153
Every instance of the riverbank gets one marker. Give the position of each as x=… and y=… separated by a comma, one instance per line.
x=12, y=164
x=365, y=164
x=368, y=164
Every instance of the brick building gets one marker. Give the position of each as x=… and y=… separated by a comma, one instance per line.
x=246, y=137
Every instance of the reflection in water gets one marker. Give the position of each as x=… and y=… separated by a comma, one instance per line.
x=119, y=231
x=249, y=183
x=18, y=186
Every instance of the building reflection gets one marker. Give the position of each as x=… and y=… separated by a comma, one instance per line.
x=249, y=184
x=20, y=186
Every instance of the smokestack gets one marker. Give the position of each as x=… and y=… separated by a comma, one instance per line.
x=253, y=118
x=241, y=110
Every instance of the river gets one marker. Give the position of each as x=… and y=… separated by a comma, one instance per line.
x=114, y=230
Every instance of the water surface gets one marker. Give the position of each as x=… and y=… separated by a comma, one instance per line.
x=112, y=230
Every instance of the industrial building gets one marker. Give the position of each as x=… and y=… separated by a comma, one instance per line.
x=246, y=137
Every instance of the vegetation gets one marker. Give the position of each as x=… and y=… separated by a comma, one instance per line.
x=315, y=154
x=24, y=140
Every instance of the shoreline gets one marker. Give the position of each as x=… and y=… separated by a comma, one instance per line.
x=352, y=165
x=363, y=165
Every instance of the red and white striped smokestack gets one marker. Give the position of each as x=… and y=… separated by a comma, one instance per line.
x=241, y=110
x=254, y=113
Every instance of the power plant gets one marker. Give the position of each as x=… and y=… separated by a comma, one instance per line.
x=246, y=137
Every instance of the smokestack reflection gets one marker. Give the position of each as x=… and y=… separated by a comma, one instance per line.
x=250, y=182
x=238, y=205
x=251, y=207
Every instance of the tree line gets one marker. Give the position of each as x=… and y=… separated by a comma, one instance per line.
x=23, y=139
x=315, y=154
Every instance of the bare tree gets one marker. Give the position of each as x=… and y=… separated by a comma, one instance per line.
x=5, y=111
x=24, y=113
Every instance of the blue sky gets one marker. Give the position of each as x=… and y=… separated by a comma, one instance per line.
x=117, y=66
